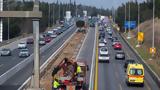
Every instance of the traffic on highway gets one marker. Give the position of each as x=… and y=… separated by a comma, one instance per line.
x=79, y=45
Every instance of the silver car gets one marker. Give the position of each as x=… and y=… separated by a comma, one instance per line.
x=24, y=53
x=5, y=52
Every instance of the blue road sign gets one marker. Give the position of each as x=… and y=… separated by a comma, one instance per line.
x=130, y=24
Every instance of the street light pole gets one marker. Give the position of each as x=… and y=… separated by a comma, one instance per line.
x=138, y=45
x=8, y=23
x=125, y=17
x=153, y=33
x=1, y=22
x=129, y=20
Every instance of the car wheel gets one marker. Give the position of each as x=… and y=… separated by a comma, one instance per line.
x=128, y=84
x=142, y=85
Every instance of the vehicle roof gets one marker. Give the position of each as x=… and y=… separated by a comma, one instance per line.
x=136, y=65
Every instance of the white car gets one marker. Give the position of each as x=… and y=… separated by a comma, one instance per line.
x=105, y=41
x=101, y=44
x=104, y=58
x=22, y=45
x=103, y=50
x=53, y=35
x=24, y=53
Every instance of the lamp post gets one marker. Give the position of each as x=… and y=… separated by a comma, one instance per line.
x=138, y=44
x=129, y=36
x=125, y=16
x=153, y=33
x=1, y=22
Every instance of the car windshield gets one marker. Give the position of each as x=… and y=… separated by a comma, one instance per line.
x=104, y=55
x=136, y=71
x=24, y=50
x=5, y=49
x=103, y=49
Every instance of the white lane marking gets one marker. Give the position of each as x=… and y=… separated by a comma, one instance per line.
x=82, y=45
x=120, y=86
x=1, y=65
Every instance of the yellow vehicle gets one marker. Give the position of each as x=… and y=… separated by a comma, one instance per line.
x=135, y=74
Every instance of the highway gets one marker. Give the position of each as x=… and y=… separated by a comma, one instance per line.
x=86, y=52
x=8, y=62
x=111, y=76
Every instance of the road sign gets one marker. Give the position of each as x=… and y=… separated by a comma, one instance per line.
x=130, y=24
x=140, y=36
x=152, y=50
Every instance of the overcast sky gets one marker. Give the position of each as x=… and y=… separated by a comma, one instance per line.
x=97, y=3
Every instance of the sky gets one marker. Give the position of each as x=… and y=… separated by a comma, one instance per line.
x=98, y=3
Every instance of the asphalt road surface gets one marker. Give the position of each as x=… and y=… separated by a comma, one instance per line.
x=18, y=79
x=86, y=51
x=111, y=76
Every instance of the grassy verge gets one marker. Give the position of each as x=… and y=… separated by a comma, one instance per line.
x=144, y=53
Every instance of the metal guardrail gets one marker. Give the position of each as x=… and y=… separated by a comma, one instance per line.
x=48, y=61
x=8, y=74
x=147, y=67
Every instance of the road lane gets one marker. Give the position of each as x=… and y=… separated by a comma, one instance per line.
x=86, y=51
x=25, y=72
x=112, y=76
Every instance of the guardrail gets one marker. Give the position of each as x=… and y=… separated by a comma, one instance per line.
x=147, y=67
x=43, y=67
x=8, y=74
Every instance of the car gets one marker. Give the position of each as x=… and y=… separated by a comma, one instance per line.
x=114, y=42
x=117, y=46
x=24, y=53
x=135, y=74
x=104, y=58
x=101, y=44
x=110, y=32
x=47, y=39
x=42, y=41
x=114, y=39
x=120, y=55
x=110, y=37
x=128, y=61
x=30, y=41
x=5, y=52
x=22, y=45
x=103, y=50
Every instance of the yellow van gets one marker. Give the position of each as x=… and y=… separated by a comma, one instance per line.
x=135, y=74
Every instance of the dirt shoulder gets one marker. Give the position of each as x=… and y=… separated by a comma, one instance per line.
x=70, y=51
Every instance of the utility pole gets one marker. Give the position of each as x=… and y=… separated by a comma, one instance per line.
x=1, y=22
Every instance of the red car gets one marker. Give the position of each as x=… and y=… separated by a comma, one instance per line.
x=30, y=41
x=117, y=46
x=47, y=39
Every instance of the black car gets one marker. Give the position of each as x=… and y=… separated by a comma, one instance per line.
x=114, y=39
x=129, y=61
x=5, y=52
x=120, y=55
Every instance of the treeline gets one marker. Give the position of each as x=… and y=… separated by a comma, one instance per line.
x=146, y=11
x=52, y=12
